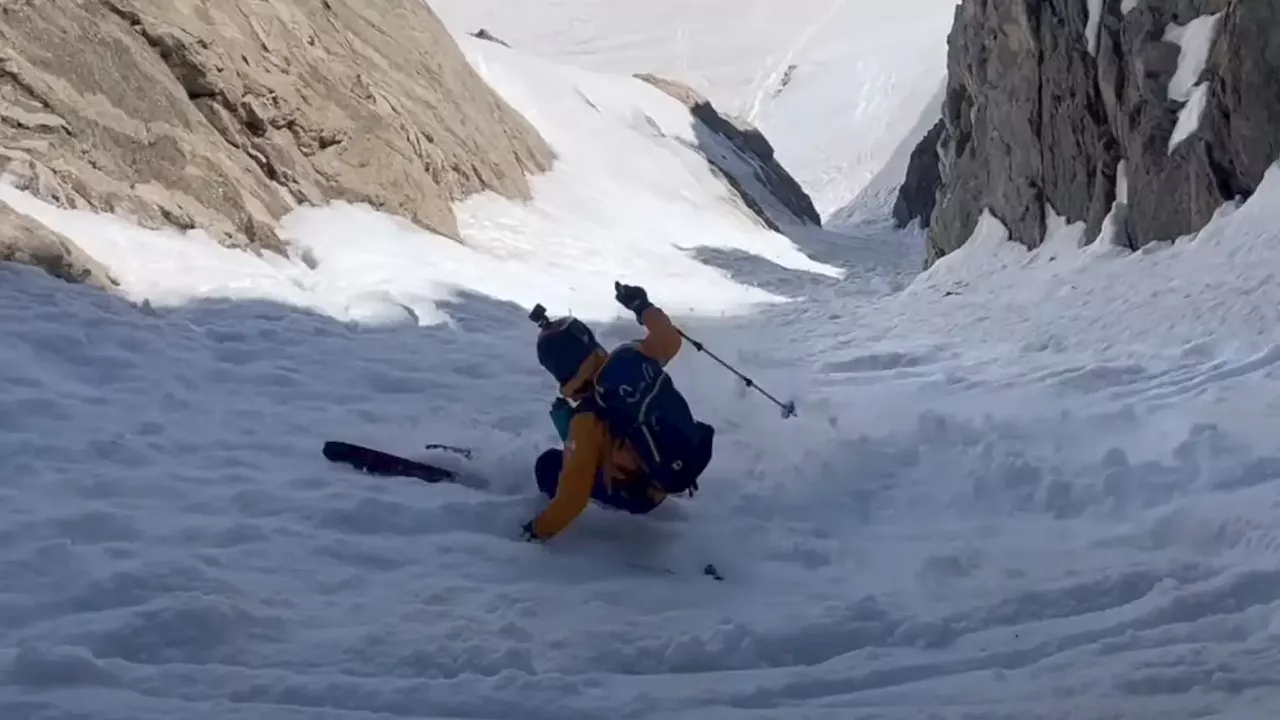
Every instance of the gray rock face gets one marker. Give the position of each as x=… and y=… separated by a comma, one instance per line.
x=919, y=191
x=1039, y=113
x=226, y=114
x=743, y=157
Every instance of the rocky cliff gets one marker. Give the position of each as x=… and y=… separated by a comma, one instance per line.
x=744, y=159
x=226, y=114
x=1171, y=107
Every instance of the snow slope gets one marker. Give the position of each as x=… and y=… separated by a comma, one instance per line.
x=629, y=198
x=863, y=69
x=1028, y=485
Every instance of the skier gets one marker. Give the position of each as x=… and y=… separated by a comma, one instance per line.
x=629, y=437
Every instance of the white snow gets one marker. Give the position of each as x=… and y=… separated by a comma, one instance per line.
x=1195, y=40
x=860, y=67
x=877, y=197
x=1093, y=25
x=1115, y=218
x=1028, y=484
x=1189, y=115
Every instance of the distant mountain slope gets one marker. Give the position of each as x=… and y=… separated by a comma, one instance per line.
x=836, y=85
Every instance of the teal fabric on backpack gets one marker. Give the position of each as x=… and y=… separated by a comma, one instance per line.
x=638, y=401
x=561, y=414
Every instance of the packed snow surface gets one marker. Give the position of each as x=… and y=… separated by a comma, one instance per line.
x=836, y=85
x=1020, y=485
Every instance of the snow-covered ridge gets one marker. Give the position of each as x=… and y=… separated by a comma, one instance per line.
x=835, y=85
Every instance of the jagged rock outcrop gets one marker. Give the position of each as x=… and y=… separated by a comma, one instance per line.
x=226, y=114
x=741, y=155
x=919, y=191
x=484, y=34
x=23, y=240
x=1046, y=106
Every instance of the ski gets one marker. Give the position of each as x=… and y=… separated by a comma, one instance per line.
x=377, y=462
x=709, y=570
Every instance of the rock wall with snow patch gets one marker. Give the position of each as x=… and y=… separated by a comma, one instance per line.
x=1154, y=112
x=226, y=114
x=744, y=159
x=25, y=241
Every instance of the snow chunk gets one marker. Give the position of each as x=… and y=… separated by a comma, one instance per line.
x=1094, y=23
x=1060, y=234
x=987, y=251
x=1122, y=182
x=1195, y=40
x=1115, y=217
x=1189, y=115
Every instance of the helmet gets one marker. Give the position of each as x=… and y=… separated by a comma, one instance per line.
x=564, y=345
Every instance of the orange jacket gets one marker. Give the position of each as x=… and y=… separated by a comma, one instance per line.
x=590, y=449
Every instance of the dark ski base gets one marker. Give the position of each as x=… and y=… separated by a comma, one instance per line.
x=376, y=462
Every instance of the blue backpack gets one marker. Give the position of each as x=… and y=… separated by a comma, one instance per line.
x=638, y=402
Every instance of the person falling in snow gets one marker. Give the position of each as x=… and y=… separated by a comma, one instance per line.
x=630, y=439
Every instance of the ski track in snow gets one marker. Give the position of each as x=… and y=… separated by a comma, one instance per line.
x=1020, y=485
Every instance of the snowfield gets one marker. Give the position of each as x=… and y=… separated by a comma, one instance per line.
x=1020, y=485
x=836, y=85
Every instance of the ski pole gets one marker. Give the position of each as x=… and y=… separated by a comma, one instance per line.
x=788, y=408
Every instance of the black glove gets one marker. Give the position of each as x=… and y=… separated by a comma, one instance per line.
x=527, y=534
x=633, y=298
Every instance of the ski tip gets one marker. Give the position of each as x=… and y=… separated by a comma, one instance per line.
x=332, y=449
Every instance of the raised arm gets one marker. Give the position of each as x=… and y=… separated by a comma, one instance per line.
x=662, y=340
